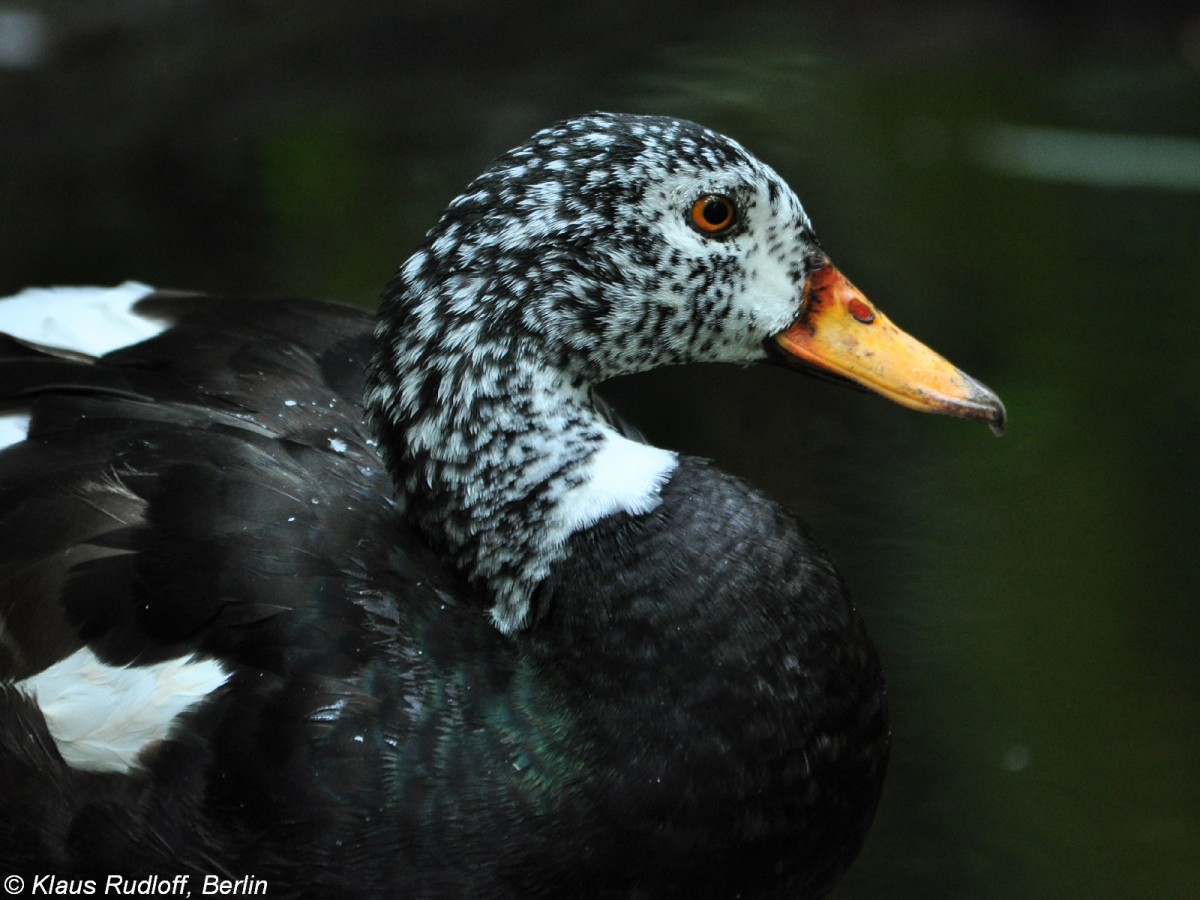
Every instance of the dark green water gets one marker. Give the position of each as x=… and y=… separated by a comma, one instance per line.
x=990, y=175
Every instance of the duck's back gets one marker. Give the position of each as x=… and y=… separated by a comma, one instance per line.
x=175, y=496
x=205, y=589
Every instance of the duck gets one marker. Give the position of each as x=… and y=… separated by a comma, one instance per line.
x=299, y=600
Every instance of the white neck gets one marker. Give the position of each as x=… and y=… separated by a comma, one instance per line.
x=620, y=476
x=500, y=474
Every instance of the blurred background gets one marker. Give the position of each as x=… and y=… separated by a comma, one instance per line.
x=1016, y=183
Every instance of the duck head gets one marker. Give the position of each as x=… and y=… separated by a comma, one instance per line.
x=611, y=244
x=605, y=245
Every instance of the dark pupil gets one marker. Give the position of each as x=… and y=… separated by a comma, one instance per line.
x=716, y=212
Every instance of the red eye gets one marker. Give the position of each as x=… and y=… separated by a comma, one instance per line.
x=713, y=213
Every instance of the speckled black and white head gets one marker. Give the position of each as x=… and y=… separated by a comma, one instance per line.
x=584, y=241
x=575, y=257
x=605, y=245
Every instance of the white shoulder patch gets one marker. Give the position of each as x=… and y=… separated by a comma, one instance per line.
x=14, y=428
x=622, y=476
x=87, y=320
x=101, y=716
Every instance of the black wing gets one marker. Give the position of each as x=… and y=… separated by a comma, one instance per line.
x=212, y=494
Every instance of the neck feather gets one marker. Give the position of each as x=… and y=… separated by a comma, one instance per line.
x=500, y=464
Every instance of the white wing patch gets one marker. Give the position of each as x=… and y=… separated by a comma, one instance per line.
x=14, y=428
x=101, y=716
x=87, y=320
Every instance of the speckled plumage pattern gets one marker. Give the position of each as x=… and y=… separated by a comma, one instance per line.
x=570, y=260
x=468, y=638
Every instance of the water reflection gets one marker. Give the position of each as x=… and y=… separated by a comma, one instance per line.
x=23, y=38
x=1089, y=158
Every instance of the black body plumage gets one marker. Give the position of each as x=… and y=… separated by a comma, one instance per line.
x=682, y=703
